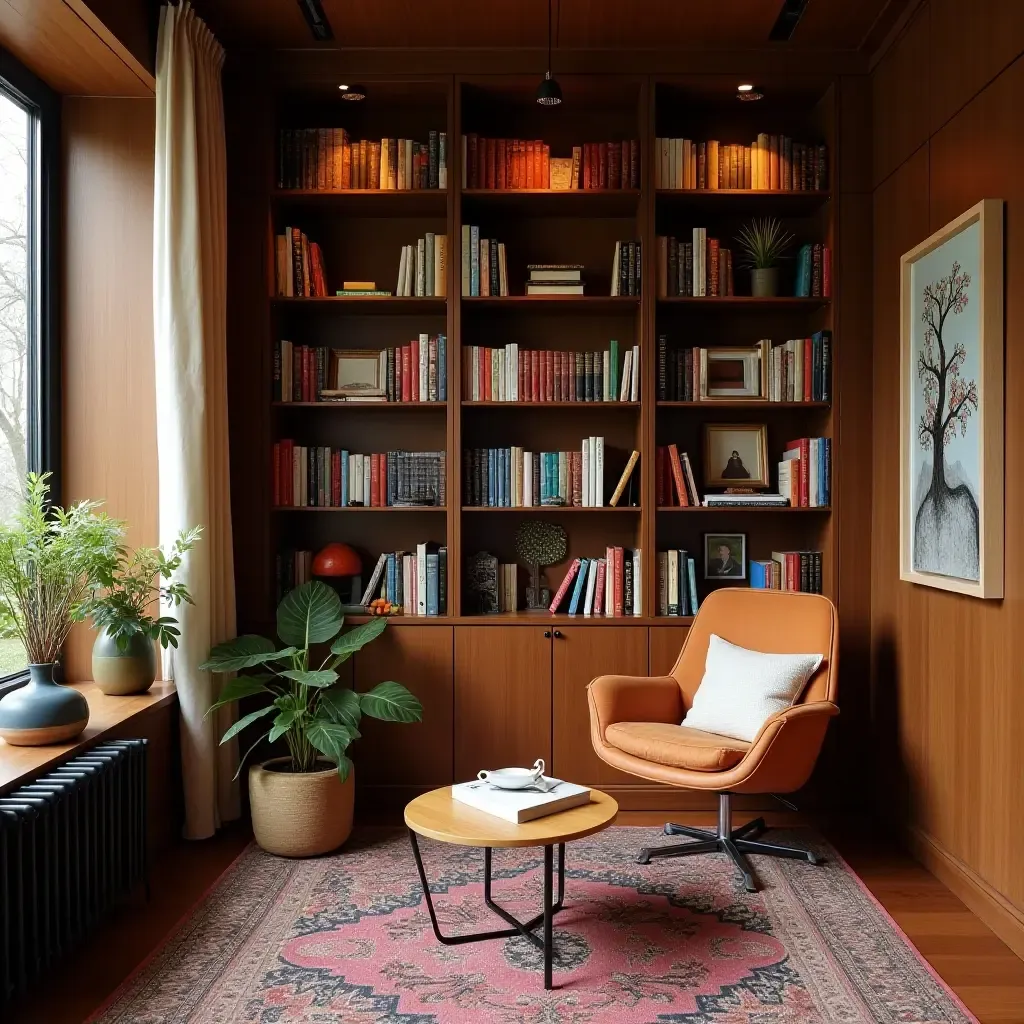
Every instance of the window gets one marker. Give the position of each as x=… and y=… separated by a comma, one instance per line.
x=29, y=386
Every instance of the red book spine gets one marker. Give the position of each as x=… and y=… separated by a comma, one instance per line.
x=595, y=165
x=406, y=373
x=586, y=165
x=599, y=587
x=530, y=146
x=489, y=159
x=517, y=163
x=560, y=395
x=383, y=479
x=535, y=375
x=374, y=482
x=542, y=384
x=602, y=165
x=677, y=475
x=564, y=586
x=624, y=165
x=414, y=370
x=522, y=371
x=715, y=283
x=549, y=360
x=277, y=474
x=545, y=170
x=803, y=477
x=499, y=164
x=792, y=571
x=336, y=479
x=617, y=592
x=538, y=164
x=634, y=163
x=808, y=367
x=568, y=393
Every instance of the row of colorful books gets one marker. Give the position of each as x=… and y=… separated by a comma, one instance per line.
x=484, y=267
x=327, y=477
x=611, y=586
x=805, y=472
x=298, y=265
x=421, y=267
x=770, y=162
x=327, y=159
x=677, y=583
x=788, y=570
x=415, y=582
x=698, y=267
x=800, y=370
x=813, y=271
x=527, y=163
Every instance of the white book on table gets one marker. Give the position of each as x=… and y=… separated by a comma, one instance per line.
x=521, y=805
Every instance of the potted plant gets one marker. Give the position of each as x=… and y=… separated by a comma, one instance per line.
x=49, y=556
x=763, y=244
x=119, y=603
x=302, y=804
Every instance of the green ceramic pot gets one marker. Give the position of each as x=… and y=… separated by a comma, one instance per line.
x=42, y=712
x=119, y=673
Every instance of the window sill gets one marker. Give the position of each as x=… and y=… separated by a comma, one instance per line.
x=18, y=764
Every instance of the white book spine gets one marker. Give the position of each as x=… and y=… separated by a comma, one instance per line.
x=585, y=472
x=634, y=370
x=598, y=493
x=615, y=268
x=588, y=601
x=528, y=479
x=428, y=275
x=366, y=480
x=627, y=359
x=421, y=579
x=638, y=583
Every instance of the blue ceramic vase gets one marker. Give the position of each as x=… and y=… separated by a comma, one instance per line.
x=42, y=711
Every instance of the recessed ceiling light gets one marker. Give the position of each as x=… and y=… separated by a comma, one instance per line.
x=354, y=93
x=740, y=88
x=344, y=88
x=748, y=93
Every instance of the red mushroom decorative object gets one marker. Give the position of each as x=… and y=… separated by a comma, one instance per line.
x=337, y=559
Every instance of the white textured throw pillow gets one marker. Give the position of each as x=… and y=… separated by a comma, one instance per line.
x=742, y=689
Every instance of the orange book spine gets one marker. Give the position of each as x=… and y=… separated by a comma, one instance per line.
x=677, y=475
x=617, y=606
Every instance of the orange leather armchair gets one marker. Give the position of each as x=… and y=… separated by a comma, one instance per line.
x=635, y=721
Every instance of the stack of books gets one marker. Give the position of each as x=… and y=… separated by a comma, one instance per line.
x=814, y=271
x=415, y=582
x=555, y=279
x=760, y=499
x=773, y=162
x=511, y=374
x=299, y=266
x=484, y=267
x=805, y=472
x=627, y=271
x=421, y=268
x=674, y=483
x=326, y=158
x=697, y=266
x=611, y=164
x=788, y=570
x=609, y=586
x=328, y=477
x=516, y=478
x=800, y=370
x=677, y=583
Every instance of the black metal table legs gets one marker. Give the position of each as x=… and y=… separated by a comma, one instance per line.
x=524, y=928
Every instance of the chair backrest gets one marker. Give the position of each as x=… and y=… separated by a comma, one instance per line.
x=772, y=621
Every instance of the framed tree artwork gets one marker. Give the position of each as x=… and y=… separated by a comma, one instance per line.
x=951, y=406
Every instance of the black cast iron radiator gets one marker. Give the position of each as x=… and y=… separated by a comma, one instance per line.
x=71, y=843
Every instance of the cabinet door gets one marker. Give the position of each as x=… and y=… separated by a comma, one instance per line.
x=502, y=697
x=581, y=654
x=402, y=754
x=666, y=643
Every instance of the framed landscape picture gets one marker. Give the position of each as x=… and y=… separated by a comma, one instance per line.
x=951, y=406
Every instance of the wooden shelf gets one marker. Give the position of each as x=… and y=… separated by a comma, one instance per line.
x=745, y=509
x=548, y=202
x=563, y=303
x=744, y=200
x=551, y=405
x=544, y=619
x=359, y=508
x=742, y=403
x=363, y=304
x=552, y=509
x=404, y=406
x=367, y=202
x=735, y=302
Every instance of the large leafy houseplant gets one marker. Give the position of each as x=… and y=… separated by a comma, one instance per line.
x=317, y=718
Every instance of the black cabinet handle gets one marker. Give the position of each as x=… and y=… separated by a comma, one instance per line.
x=558, y=634
x=547, y=634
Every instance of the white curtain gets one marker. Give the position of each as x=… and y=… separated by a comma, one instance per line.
x=189, y=299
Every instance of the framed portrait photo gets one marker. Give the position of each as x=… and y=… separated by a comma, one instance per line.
x=951, y=406
x=736, y=455
x=725, y=556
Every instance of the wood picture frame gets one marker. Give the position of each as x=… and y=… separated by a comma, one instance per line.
x=725, y=556
x=951, y=403
x=740, y=374
x=724, y=443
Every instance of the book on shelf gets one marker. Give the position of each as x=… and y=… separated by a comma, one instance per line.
x=328, y=159
x=800, y=370
x=813, y=271
x=514, y=374
x=697, y=266
x=292, y=568
x=554, y=279
x=627, y=272
x=516, y=478
x=521, y=805
x=762, y=499
x=421, y=267
x=325, y=477
x=298, y=266
x=769, y=162
x=508, y=587
x=415, y=582
x=624, y=480
x=788, y=570
x=503, y=164
x=805, y=472
x=484, y=267
x=414, y=372
x=677, y=583
x=674, y=482
x=610, y=586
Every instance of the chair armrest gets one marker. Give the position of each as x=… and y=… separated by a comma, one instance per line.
x=635, y=699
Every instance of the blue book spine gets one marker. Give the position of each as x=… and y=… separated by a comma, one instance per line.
x=492, y=489
x=442, y=368
x=581, y=578
x=344, y=478
x=683, y=589
x=502, y=473
x=826, y=446
x=507, y=478
x=474, y=261
x=542, y=456
x=390, y=579
x=432, y=601
x=691, y=572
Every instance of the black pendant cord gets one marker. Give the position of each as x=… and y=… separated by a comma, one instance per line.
x=548, y=69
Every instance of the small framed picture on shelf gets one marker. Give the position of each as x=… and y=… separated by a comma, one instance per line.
x=736, y=455
x=725, y=556
x=733, y=373
x=357, y=368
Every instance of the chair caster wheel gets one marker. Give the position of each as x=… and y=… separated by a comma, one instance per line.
x=668, y=830
x=813, y=859
x=643, y=857
x=749, y=886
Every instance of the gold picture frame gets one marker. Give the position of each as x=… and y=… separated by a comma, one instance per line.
x=736, y=455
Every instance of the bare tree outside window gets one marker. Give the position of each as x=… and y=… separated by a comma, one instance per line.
x=15, y=125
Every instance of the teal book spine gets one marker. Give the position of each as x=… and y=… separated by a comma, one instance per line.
x=613, y=373
x=691, y=573
x=581, y=578
x=474, y=261
x=344, y=478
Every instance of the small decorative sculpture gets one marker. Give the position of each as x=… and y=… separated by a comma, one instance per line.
x=538, y=544
x=481, y=587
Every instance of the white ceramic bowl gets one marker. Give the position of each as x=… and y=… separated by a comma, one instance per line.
x=514, y=778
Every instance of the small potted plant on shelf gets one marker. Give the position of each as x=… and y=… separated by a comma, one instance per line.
x=763, y=244
x=119, y=603
x=302, y=804
x=49, y=557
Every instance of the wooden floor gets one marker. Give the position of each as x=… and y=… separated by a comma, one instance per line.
x=983, y=971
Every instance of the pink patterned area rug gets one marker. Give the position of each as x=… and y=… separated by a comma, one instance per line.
x=347, y=939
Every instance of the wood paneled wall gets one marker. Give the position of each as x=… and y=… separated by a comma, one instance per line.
x=948, y=674
x=107, y=319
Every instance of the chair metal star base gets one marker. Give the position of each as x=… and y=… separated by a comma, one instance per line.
x=736, y=842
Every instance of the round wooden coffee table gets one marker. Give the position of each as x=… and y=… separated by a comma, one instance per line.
x=436, y=816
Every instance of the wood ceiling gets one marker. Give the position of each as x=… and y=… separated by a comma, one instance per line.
x=522, y=24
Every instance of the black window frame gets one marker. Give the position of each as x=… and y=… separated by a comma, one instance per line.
x=43, y=215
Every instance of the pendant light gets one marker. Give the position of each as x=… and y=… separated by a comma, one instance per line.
x=549, y=92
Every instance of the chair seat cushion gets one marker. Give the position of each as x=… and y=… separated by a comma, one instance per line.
x=676, y=745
